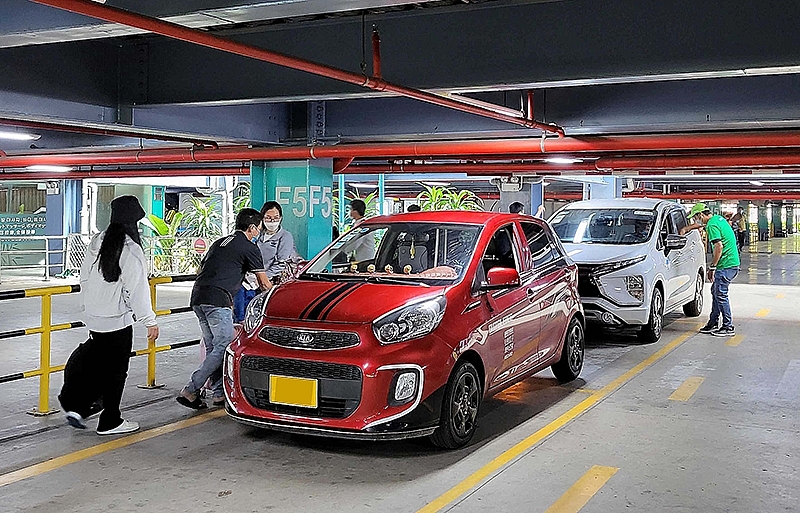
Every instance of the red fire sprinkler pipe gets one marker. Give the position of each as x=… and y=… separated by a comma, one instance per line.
x=755, y=142
x=172, y=30
x=376, y=53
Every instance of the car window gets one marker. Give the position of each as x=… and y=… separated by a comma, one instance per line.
x=500, y=251
x=604, y=225
x=667, y=228
x=678, y=217
x=543, y=251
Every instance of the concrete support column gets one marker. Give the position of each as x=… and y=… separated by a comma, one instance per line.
x=607, y=188
x=790, y=228
x=304, y=190
x=763, y=223
x=777, y=221
x=531, y=195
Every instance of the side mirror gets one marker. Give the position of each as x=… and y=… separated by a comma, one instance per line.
x=501, y=278
x=675, y=242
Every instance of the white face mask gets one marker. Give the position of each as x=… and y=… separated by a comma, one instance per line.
x=273, y=226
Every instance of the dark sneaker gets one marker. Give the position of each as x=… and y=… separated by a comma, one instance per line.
x=75, y=420
x=708, y=328
x=724, y=331
x=191, y=400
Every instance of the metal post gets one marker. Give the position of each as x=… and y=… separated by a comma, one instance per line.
x=341, y=203
x=44, y=360
x=47, y=259
x=151, y=349
x=381, y=190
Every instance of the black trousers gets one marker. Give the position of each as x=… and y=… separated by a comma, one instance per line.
x=95, y=371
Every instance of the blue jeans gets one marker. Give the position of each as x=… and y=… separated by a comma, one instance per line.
x=719, y=296
x=216, y=325
x=240, y=302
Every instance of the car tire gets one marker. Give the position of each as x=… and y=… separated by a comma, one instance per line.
x=462, y=398
x=695, y=308
x=651, y=331
x=569, y=366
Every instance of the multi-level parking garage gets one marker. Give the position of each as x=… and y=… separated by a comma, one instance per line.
x=201, y=108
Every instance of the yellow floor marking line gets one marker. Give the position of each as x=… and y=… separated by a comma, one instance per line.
x=587, y=390
x=780, y=296
x=687, y=389
x=522, y=447
x=763, y=312
x=73, y=457
x=584, y=489
x=735, y=340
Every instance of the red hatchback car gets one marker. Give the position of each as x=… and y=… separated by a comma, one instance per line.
x=401, y=326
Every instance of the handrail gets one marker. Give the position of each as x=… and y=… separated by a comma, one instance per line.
x=46, y=328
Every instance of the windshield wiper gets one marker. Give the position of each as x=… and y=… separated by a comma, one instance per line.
x=400, y=281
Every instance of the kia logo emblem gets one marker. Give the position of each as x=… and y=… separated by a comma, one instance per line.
x=305, y=338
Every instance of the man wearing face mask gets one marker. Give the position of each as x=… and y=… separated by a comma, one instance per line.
x=218, y=281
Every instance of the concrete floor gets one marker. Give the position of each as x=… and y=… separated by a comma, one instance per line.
x=732, y=446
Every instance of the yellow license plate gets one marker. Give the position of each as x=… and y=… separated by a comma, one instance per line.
x=293, y=391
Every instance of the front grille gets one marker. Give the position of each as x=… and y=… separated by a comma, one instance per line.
x=307, y=339
x=339, y=385
x=301, y=368
x=586, y=284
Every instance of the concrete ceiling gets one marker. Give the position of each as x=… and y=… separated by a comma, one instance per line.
x=595, y=68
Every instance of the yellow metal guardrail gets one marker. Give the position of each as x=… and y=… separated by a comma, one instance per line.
x=47, y=328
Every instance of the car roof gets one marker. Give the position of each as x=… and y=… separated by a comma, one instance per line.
x=643, y=203
x=451, y=216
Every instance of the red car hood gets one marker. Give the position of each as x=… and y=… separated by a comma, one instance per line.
x=345, y=301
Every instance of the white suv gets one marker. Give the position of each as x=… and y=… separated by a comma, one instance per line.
x=633, y=264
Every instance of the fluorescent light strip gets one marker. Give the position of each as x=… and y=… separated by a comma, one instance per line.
x=44, y=167
x=19, y=136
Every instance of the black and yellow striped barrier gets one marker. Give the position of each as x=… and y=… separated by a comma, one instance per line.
x=46, y=328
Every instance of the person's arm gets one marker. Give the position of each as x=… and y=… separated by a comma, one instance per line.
x=717, y=245
x=540, y=212
x=136, y=288
x=254, y=263
x=686, y=229
x=285, y=252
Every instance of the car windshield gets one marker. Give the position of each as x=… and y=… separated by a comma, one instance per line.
x=398, y=253
x=604, y=226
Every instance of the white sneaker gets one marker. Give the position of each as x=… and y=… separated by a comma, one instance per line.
x=127, y=426
x=75, y=420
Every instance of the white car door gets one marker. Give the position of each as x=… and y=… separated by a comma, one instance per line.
x=680, y=261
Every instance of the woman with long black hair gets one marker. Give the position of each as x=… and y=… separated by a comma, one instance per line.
x=115, y=294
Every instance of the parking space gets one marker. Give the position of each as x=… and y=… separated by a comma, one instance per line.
x=725, y=443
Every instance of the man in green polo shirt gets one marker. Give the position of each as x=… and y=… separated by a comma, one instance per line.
x=723, y=268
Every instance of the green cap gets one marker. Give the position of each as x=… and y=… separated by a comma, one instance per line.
x=696, y=209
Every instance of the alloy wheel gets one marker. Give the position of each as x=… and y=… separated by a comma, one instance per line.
x=466, y=397
x=575, y=348
x=658, y=316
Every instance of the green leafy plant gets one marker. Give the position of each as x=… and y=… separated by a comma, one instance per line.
x=241, y=197
x=203, y=218
x=444, y=198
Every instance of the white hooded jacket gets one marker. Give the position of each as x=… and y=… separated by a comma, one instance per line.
x=116, y=305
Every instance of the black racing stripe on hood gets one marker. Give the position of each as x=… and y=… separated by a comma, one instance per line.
x=339, y=300
x=314, y=314
x=323, y=297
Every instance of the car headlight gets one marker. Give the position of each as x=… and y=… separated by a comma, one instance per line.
x=410, y=321
x=616, y=266
x=635, y=286
x=255, y=311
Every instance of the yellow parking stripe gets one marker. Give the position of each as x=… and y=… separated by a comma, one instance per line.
x=780, y=296
x=763, y=312
x=687, y=389
x=511, y=454
x=73, y=457
x=584, y=489
x=735, y=340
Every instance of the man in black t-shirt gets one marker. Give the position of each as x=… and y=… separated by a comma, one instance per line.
x=219, y=279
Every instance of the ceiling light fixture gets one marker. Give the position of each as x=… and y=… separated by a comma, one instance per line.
x=562, y=160
x=19, y=136
x=437, y=184
x=756, y=183
x=45, y=167
x=363, y=185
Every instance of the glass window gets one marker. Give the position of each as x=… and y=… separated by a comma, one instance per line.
x=401, y=251
x=22, y=198
x=542, y=248
x=678, y=219
x=500, y=252
x=604, y=226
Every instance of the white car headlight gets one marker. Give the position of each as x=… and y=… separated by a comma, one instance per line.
x=255, y=311
x=410, y=321
x=635, y=286
x=228, y=365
